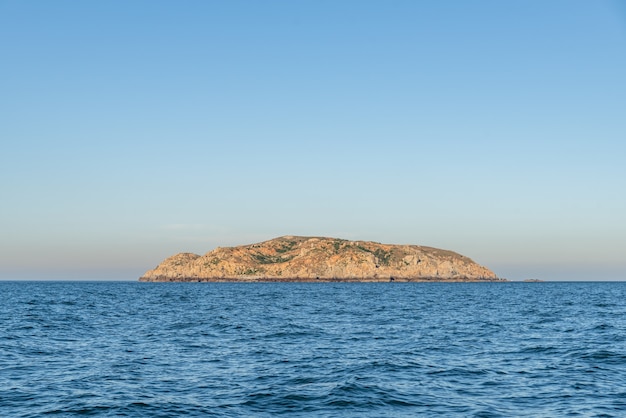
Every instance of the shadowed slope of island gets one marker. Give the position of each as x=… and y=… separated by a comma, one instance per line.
x=311, y=259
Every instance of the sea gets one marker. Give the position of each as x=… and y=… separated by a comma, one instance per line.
x=130, y=349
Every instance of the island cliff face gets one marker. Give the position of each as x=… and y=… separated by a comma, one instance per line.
x=293, y=259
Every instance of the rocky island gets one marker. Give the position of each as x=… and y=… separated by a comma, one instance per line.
x=320, y=259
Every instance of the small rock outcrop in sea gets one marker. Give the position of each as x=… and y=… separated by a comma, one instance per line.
x=311, y=259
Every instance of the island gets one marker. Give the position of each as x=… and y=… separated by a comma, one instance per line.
x=320, y=259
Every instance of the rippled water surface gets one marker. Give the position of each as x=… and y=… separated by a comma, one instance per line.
x=312, y=349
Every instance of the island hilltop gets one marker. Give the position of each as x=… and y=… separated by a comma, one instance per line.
x=318, y=259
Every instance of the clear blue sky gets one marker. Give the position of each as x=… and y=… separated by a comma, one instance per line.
x=133, y=130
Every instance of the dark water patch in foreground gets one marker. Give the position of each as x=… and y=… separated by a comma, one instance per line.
x=306, y=349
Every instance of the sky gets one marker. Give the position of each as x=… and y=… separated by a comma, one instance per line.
x=132, y=131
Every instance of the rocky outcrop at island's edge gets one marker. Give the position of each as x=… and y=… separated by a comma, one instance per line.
x=292, y=258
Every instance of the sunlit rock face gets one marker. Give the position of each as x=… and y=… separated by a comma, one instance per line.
x=292, y=258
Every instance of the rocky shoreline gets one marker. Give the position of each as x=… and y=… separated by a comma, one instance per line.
x=318, y=280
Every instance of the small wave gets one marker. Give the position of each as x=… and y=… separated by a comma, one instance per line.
x=540, y=349
x=605, y=357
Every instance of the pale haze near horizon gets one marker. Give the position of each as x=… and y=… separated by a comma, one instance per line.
x=132, y=131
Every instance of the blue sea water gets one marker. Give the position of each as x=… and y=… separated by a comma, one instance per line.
x=312, y=349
